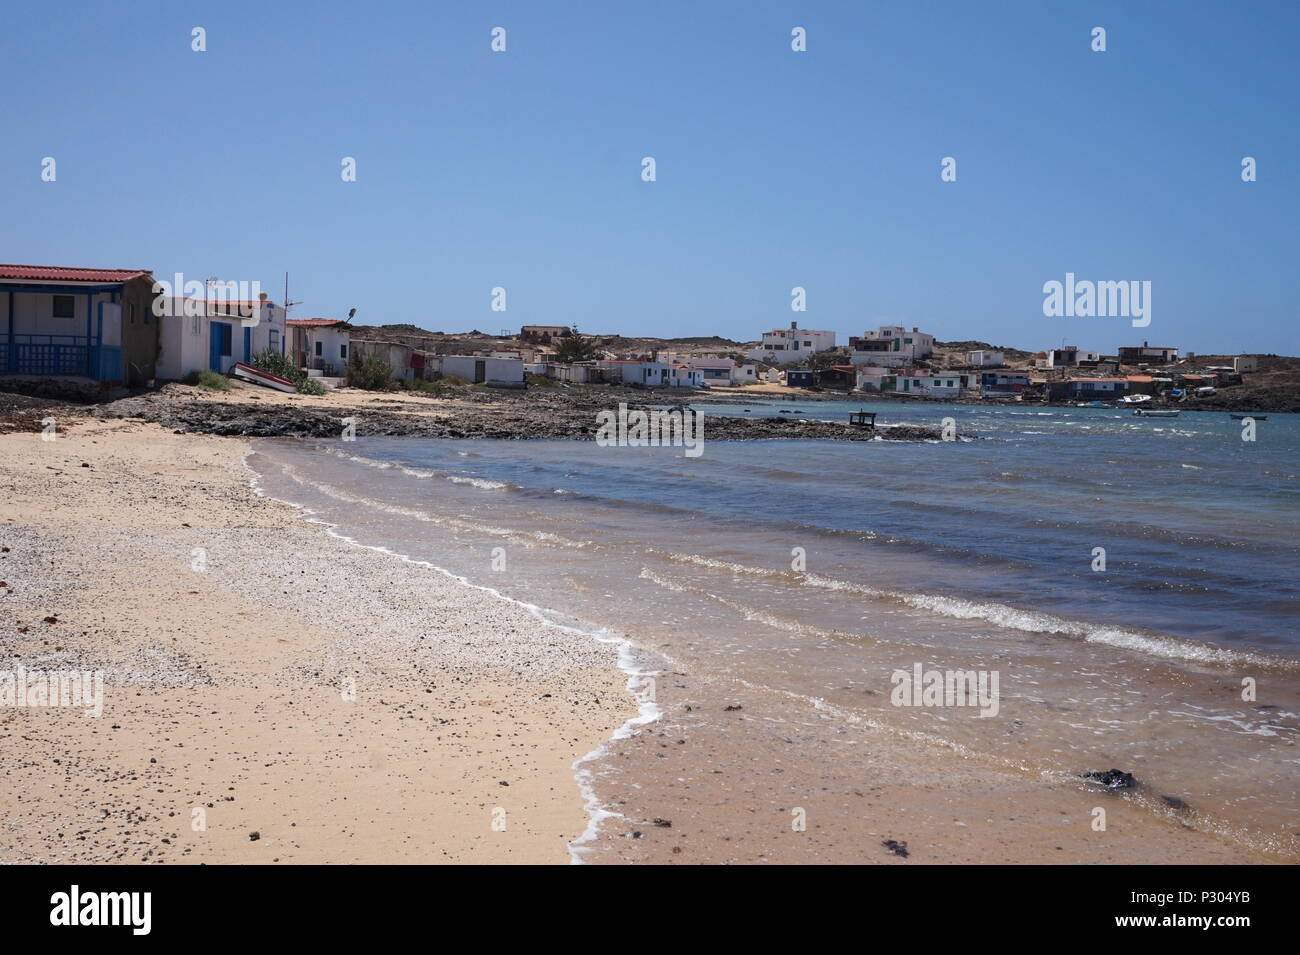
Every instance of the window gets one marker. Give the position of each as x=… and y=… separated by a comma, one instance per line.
x=807, y=344
x=65, y=306
x=343, y=351
x=318, y=349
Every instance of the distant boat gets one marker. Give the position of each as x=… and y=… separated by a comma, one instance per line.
x=1093, y=404
x=1255, y=417
x=1155, y=413
x=1134, y=399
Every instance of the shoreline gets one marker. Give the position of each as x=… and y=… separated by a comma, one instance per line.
x=237, y=692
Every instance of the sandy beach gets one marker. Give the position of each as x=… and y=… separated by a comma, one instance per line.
x=226, y=736
x=275, y=693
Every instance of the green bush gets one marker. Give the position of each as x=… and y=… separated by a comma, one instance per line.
x=371, y=374
x=310, y=386
x=541, y=381
x=207, y=379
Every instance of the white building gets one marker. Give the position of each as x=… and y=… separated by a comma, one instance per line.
x=320, y=344
x=499, y=372
x=1243, y=363
x=213, y=334
x=783, y=345
x=890, y=345
x=872, y=377
x=722, y=371
x=938, y=385
x=985, y=358
x=684, y=376
x=643, y=374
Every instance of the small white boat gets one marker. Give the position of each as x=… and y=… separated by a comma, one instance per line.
x=259, y=377
x=1134, y=400
x=1154, y=413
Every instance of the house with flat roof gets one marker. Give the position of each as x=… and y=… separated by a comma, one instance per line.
x=1147, y=354
x=320, y=345
x=93, y=325
x=781, y=346
x=890, y=345
x=212, y=334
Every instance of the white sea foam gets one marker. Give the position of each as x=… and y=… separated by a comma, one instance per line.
x=648, y=711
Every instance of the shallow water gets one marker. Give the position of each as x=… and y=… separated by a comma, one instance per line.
x=816, y=570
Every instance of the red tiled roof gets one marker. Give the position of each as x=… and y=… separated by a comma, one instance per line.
x=315, y=322
x=58, y=273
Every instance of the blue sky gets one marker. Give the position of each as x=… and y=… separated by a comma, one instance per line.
x=775, y=169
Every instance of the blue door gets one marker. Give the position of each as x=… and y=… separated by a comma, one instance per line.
x=218, y=345
x=248, y=344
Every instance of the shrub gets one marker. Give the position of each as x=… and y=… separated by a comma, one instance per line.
x=372, y=374
x=541, y=381
x=310, y=386
x=207, y=379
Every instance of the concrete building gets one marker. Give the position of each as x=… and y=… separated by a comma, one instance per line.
x=401, y=358
x=497, y=372
x=890, y=345
x=985, y=358
x=783, y=345
x=213, y=334
x=320, y=344
x=92, y=325
x=1145, y=354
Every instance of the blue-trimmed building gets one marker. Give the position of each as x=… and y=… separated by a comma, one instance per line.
x=94, y=325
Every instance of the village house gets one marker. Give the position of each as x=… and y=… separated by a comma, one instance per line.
x=722, y=371
x=985, y=358
x=890, y=345
x=406, y=364
x=635, y=372
x=1145, y=354
x=1087, y=389
x=1245, y=363
x=496, y=372
x=925, y=384
x=320, y=345
x=783, y=345
x=577, y=373
x=213, y=334
x=684, y=376
x=93, y=325
x=800, y=378
x=1003, y=383
x=872, y=377
x=838, y=377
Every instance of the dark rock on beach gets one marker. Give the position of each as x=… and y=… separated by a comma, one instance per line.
x=1112, y=779
x=473, y=413
x=896, y=847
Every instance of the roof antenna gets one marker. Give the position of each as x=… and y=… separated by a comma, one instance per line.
x=288, y=304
